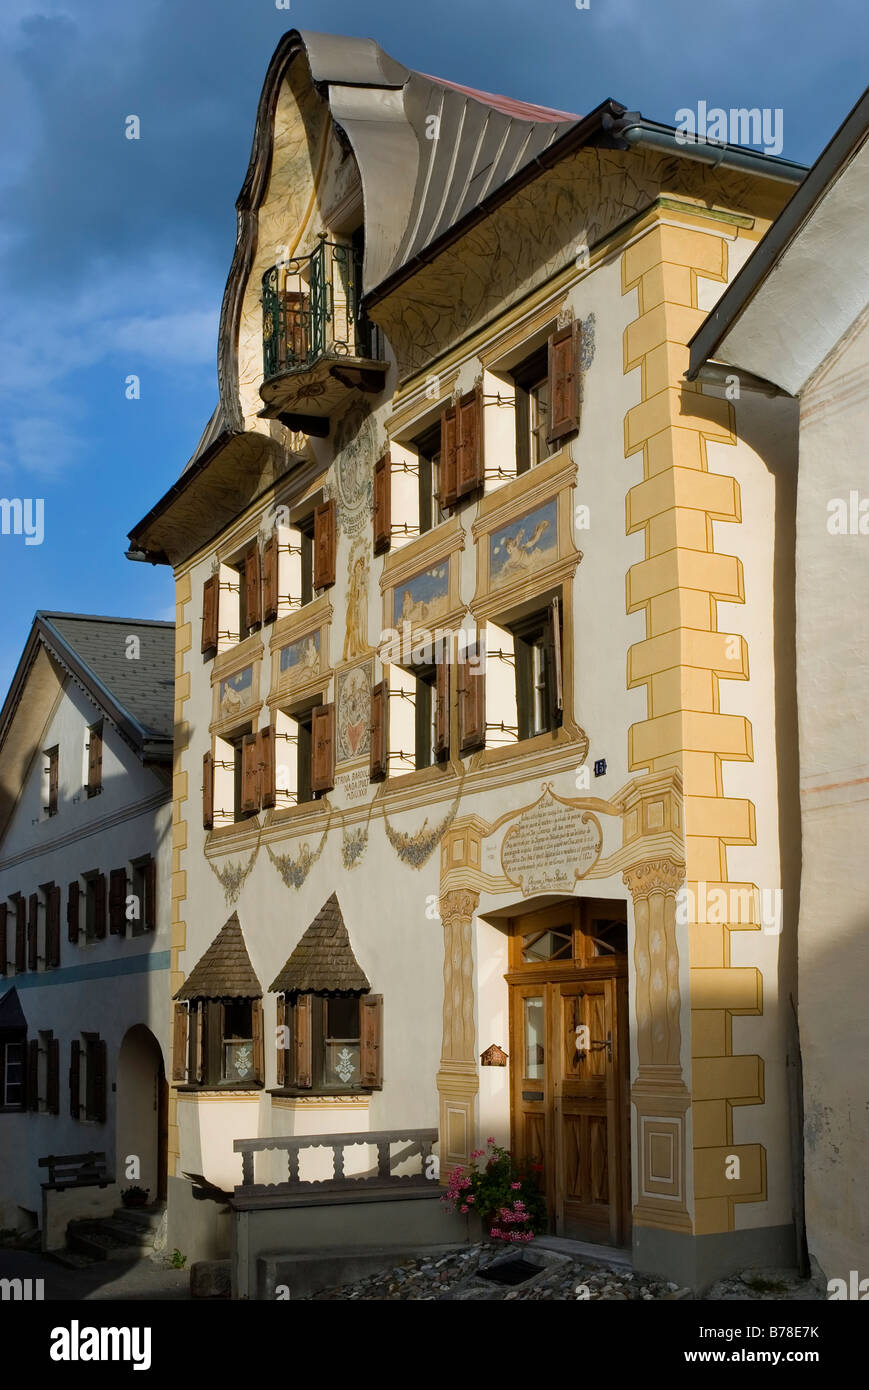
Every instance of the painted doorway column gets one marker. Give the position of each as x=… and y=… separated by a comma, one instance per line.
x=457, y=1079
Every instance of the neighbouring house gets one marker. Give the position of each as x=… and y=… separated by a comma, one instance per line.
x=796, y=320
x=485, y=723
x=85, y=865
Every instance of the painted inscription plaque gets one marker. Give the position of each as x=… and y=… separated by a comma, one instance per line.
x=550, y=846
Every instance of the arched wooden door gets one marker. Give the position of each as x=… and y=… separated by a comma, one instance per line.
x=569, y=1063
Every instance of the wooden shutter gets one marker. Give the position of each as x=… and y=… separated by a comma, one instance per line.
x=325, y=544
x=149, y=875
x=4, y=944
x=20, y=935
x=74, y=1079
x=97, y=1052
x=207, y=791
x=557, y=682
x=33, y=932
x=302, y=1031
x=252, y=596
x=199, y=1023
x=266, y=767
x=564, y=380
x=118, y=901
x=256, y=1015
x=249, y=755
x=270, y=579
x=72, y=911
x=179, y=1042
x=52, y=1089
x=472, y=703
x=52, y=928
x=31, y=1087
x=448, y=469
x=53, y=760
x=323, y=748
x=379, y=734
x=469, y=448
x=99, y=906
x=382, y=504
x=442, y=706
x=280, y=1041
x=210, y=611
x=370, y=1050
x=95, y=760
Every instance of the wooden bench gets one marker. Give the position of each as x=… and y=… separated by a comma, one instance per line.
x=75, y=1170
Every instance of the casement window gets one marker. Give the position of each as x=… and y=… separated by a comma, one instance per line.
x=461, y=452
x=210, y=614
x=73, y=911
x=51, y=897
x=33, y=906
x=471, y=675
x=218, y=1043
x=414, y=732
x=531, y=381
x=299, y=558
x=564, y=382
x=382, y=508
x=144, y=890
x=88, y=1078
x=19, y=903
x=524, y=678
x=94, y=747
x=117, y=901
x=428, y=449
x=95, y=906
x=43, y=1074
x=328, y=1042
x=13, y=1046
x=238, y=781
x=292, y=754
x=50, y=775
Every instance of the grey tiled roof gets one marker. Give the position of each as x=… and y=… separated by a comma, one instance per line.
x=142, y=687
x=323, y=961
x=224, y=970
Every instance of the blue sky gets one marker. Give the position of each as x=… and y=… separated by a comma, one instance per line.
x=114, y=253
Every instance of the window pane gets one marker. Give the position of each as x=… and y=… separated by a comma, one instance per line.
x=535, y=1046
x=342, y=1017
x=556, y=944
x=342, y=1062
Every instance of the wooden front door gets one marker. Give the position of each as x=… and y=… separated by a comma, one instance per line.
x=569, y=1066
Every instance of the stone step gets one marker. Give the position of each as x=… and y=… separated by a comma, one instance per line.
x=100, y=1244
x=145, y=1218
x=71, y=1259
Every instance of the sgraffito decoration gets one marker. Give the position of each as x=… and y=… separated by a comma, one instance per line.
x=232, y=876
x=294, y=871
x=353, y=471
x=416, y=849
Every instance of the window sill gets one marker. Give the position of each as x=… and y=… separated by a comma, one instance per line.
x=488, y=757
x=420, y=776
x=289, y=1093
x=227, y=1088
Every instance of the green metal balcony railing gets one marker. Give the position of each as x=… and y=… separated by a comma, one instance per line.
x=311, y=310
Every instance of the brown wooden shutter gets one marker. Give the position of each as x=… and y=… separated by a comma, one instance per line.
x=564, y=380
x=323, y=748
x=371, y=1050
x=448, y=469
x=150, y=907
x=53, y=761
x=557, y=682
x=118, y=901
x=52, y=1089
x=302, y=1033
x=382, y=504
x=33, y=932
x=100, y=1061
x=256, y=1014
x=210, y=611
x=442, y=706
x=469, y=450
x=280, y=1041
x=270, y=579
x=74, y=1079
x=31, y=1090
x=199, y=1022
x=4, y=943
x=207, y=791
x=99, y=906
x=266, y=767
x=52, y=928
x=72, y=911
x=249, y=750
x=252, y=595
x=325, y=544
x=379, y=739
x=95, y=760
x=179, y=1042
x=20, y=934
x=472, y=703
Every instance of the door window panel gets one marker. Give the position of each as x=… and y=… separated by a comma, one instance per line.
x=535, y=1038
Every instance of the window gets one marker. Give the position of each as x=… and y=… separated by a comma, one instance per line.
x=524, y=680
x=224, y=1042
x=412, y=719
x=12, y=1071
x=333, y=1042
x=95, y=1077
x=94, y=747
x=428, y=448
x=576, y=933
x=50, y=771
x=297, y=728
x=531, y=380
x=144, y=889
x=95, y=906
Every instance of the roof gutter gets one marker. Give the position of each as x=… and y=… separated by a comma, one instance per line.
x=638, y=132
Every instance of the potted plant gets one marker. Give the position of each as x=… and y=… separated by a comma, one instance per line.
x=505, y=1194
x=135, y=1196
